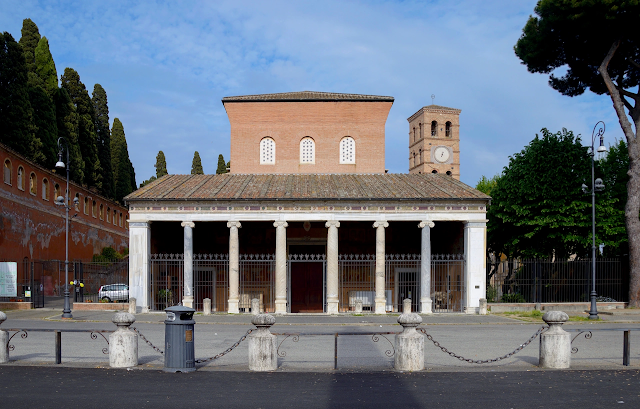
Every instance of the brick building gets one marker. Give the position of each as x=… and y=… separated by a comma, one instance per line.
x=32, y=226
x=308, y=220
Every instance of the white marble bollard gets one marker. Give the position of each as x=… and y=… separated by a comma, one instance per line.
x=263, y=344
x=123, y=342
x=4, y=341
x=406, y=306
x=483, y=307
x=206, y=306
x=409, y=344
x=358, y=306
x=132, y=305
x=555, y=343
x=255, y=306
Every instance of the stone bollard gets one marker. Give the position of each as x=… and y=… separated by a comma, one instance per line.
x=123, y=342
x=358, y=307
x=132, y=305
x=409, y=344
x=206, y=306
x=263, y=344
x=255, y=306
x=406, y=306
x=555, y=343
x=483, y=307
x=4, y=341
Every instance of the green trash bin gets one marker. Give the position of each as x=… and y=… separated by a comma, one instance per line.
x=179, y=353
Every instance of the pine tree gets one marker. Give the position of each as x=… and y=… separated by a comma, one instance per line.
x=46, y=67
x=29, y=42
x=120, y=163
x=44, y=119
x=86, y=129
x=103, y=138
x=196, y=165
x=17, y=129
x=67, y=121
x=222, y=165
x=161, y=165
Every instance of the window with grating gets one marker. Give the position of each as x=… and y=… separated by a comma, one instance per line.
x=267, y=151
x=307, y=150
x=347, y=150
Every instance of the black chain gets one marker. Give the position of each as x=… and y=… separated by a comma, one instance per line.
x=155, y=348
x=486, y=361
x=223, y=353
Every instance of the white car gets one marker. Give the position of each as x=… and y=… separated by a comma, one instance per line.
x=114, y=292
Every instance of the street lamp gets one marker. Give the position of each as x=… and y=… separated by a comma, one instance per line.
x=60, y=201
x=596, y=186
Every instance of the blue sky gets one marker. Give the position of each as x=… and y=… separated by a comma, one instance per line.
x=166, y=66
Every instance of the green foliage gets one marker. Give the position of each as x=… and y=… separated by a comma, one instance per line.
x=67, y=121
x=196, y=165
x=46, y=128
x=613, y=169
x=107, y=255
x=29, y=42
x=46, y=67
x=103, y=138
x=146, y=182
x=511, y=298
x=222, y=166
x=161, y=165
x=491, y=293
x=120, y=163
x=487, y=185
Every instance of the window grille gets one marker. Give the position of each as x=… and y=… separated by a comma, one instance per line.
x=307, y=150
x=267, y=151
x=347, y=150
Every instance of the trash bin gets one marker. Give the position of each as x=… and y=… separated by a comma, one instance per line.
x=179, y=353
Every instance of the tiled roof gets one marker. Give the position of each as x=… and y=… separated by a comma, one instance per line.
x=229, y=187
x=440, y=108
x=306, y=96
x=432, y=107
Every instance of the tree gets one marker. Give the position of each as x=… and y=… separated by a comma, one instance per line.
x=487, y=185
x=67, y=125
x=146, y=182
x=161, y=165
x=103, y=138
x=29, y=42
x=46, y=67
x=613, y=168
x=120, y=163
x=46, y=128
x=196, y=165
x=598, y=44
x=222, y=166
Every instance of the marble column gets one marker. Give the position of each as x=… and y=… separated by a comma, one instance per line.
x=187, y=297
x=475, y=259
x=281, y=267
x=425, y=267
x=234, y=267
x=332, y=266
x=139, y=253
x=381, y=299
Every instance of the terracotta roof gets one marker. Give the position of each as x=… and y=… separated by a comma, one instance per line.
x=307, y=187
x=305, y=96
x=432, y=107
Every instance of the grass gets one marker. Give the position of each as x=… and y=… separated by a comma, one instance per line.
x=536, y=316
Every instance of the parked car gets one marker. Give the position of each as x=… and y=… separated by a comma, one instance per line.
x=114, y=292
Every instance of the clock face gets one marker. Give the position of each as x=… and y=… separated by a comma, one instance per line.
x=441, y=154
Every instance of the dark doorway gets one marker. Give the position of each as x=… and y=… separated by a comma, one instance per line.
x=307, y=280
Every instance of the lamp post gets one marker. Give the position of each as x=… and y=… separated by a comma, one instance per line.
x=596, y=186
x=66, y=312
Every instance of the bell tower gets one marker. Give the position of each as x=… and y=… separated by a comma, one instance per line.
x=434, y=141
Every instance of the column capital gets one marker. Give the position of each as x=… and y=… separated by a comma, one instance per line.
x=332, y=223
x=280, y=224
x=234, y=224
x=188, y=224
x=476, y=223
x=383, y=224
x=144, y=225
x=426, y=223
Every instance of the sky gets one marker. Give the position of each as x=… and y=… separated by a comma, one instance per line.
x=166, y=65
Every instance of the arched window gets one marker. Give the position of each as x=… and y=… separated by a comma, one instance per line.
x=307, y=150
x=347, y=150
x=20, y=178
x=76, y=203
x=101, y=213
x=85, y=209
x=447, y=129
x=45, y=189
x=115, y=217
x=267, y=152
x=94, y=207
x=120, y=220
x=7, y=172
x=420, y=132
x=56, y=191
x=434, y=171
x=108, y=213
x=434, y=128
x=448, y=173
x=414, y=133
x=420, y=150
x=33, y=188
x=414, y=160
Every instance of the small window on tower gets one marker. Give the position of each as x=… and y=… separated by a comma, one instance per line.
x=347, y=150
x=434, y=171
x=434, y=128
x=447, y=129
x=267, y=151
x=307, y=150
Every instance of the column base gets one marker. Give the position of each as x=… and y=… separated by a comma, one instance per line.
x=188, y=301
x=426, y=306
x=381, y=306
x=332, y=306
x=234, y=307
x=281, y=306
x=471, y=310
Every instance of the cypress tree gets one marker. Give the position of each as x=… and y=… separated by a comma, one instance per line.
x=46, y=67
x=222, y=165
x=196, y=165
x=103, y=138
x=86, y=128
x=161, y=165
x=120, y=163
x=44, y=118
x=67, y=125
x=29, y=42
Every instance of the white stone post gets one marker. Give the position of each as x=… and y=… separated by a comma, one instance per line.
x=206, y=306
x=139, y=253
x=555, y=343
x=263, y=344
x=123, y=342
x=381, y=298
x=187, y=298
x=255, y=306
x=425, y=267
x=483, y=306
x=475, y=260
x=132, y=305
x=406, y=306
x=234, y=267
x=332, y=266
x=358, y=306
x=281, y=266
x=409, y=344
x=4, y=341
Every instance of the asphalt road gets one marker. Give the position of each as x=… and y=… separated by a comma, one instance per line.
x=44, y=387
